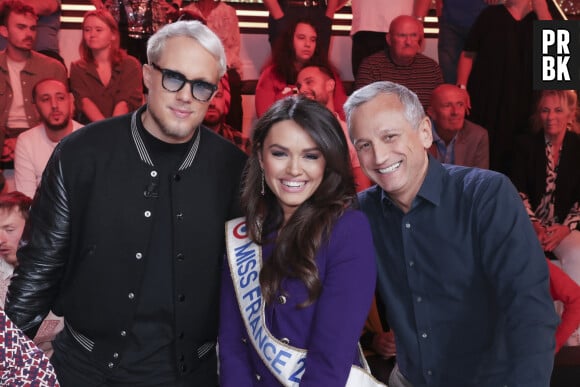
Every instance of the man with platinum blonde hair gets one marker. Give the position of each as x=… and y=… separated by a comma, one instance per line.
x=126, y=236
x=460, y=271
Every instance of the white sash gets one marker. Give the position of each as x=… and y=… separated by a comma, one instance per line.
x=285, y=362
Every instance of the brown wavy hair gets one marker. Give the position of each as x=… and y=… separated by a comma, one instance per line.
x=17, y=7
x=117, y=54
x=284, y=55
x=299, y=239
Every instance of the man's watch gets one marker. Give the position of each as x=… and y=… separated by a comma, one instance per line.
x=461, y=86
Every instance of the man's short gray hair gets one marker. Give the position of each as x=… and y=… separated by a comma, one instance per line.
x=412, y=108
x=190, y=29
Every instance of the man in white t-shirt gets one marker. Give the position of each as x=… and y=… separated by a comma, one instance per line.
x=54, y=103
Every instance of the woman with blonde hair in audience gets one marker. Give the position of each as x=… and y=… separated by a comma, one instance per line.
x=105, y=81
x=297, y=46
x=545, y=172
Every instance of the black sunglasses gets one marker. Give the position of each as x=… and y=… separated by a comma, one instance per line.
x=174, y=81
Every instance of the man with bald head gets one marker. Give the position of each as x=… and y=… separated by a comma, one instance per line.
x=402, y=61
x=455, y=139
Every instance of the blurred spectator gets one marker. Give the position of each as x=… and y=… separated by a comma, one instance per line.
x=105, y=81
x=297, y=46
x=402, y=62
x=137, y=21
x=317, y=82
x=455, y=139
x=223, y=21
x=496, y=68
x=215, y=117
x=370, y=23
x=47, y=28
x=33, y=147
x=283, y=14
x=545, y=172
x=14, y=207
x=20, y=68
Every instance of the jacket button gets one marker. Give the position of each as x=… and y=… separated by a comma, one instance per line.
x=111, y=365
x=285, y=340
x=153, y=173
x=244, y=340
x=138, y=255
x=177, y=177
x=258, y=377
x=115, y=355
x=179, y=216
x=180, y=257
x=131, y=295
x=147, y=214
x=123, y=333
x=180, y=297
x=281, y=300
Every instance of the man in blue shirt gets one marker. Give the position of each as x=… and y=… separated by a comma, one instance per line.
x=460, y=270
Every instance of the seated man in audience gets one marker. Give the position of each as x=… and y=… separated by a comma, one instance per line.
x=401, y=62
x=215, y=117
x=455, y=139
x=14, y=207
x=54, y=103
x=20, y=69
x=317, y=82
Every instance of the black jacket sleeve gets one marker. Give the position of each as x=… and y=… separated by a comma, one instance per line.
x=43, y=253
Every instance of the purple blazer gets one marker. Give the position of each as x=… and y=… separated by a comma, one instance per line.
x=329, y=328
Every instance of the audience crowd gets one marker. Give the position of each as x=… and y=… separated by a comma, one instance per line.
x=474, y=107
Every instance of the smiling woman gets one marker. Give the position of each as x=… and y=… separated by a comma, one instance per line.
x=318, y=275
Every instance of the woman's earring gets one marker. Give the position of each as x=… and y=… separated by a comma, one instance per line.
x=263, y=190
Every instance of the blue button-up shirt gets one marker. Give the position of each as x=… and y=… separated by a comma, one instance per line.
x=464, y=282
x=445, y=152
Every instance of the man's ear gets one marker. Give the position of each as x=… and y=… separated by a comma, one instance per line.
x=4, y=31
x=330, y=85
x=147, y=75
x=425, y=132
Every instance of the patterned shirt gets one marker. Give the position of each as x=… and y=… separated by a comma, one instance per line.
x=21, y=362
x=545, y=212
x=421, y=76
